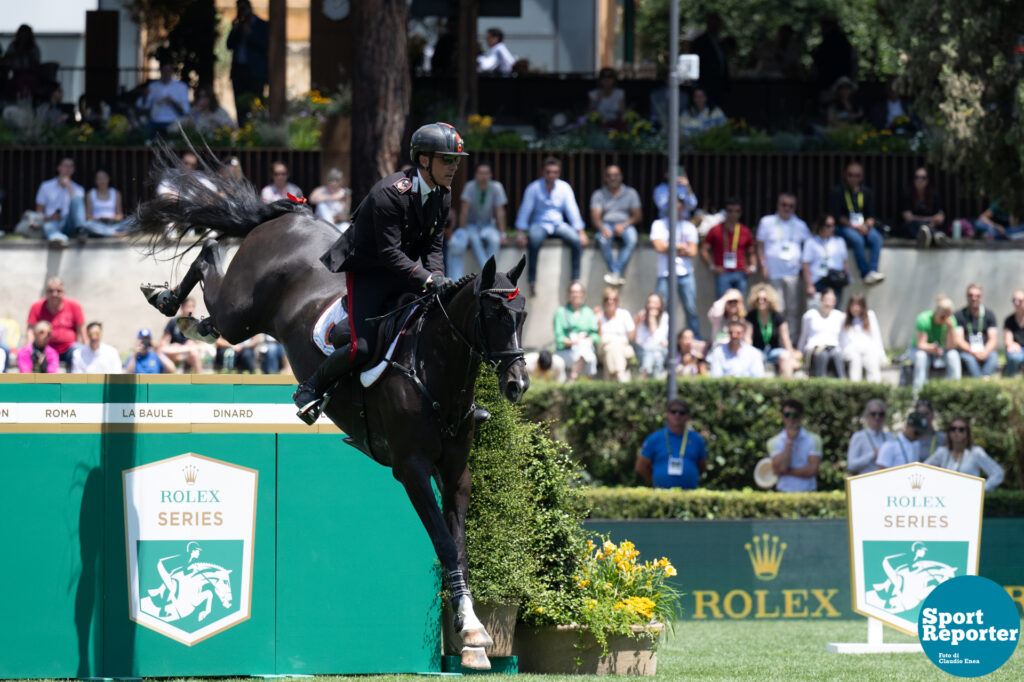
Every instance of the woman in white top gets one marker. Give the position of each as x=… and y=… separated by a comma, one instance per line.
x=864, y=445
x=332, y=201
x=824, y=252
x=279, y=188
x=961, y=454
x=651, y=337
x=104, y=213
x=819, y=337
x=700, y=115
x=861, y=341
x=615, y=327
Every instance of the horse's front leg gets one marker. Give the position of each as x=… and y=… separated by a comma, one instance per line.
x=208, y=598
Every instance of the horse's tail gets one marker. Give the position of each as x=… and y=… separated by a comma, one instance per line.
x=207, y=201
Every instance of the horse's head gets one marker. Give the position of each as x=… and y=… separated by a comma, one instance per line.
x=500, y=326
x=221, y=582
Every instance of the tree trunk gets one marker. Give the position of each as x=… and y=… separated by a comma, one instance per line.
x=380, y=91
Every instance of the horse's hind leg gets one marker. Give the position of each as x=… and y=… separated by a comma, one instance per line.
x=204, y=268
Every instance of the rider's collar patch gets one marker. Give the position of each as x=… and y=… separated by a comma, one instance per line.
x=403, y=185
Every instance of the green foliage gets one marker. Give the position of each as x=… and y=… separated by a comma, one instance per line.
x=184, y=31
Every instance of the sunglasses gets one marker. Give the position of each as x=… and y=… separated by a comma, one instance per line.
x=449, y=160
x=278, y=173
x=958, y=429
x=876, y=414
x=920, y=177
x=923, y=403
x=791, y=415
x=787, y=205
x=1015, y=301
x=681, y=413
x=55, y=291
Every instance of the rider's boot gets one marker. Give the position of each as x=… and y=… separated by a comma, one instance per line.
x=309, y=396
x=480, y=413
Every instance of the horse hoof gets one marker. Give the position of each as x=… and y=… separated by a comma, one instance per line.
x=474, y=658
x=476, y=638
x=192, y=329
x=161, y=298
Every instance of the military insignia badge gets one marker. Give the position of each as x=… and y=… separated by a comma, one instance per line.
x=403, y=185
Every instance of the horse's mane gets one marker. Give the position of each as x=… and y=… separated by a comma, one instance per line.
x=201, y=566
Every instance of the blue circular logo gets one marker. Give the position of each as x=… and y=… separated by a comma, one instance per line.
x=968, y=626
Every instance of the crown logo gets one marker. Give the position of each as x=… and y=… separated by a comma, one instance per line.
x=766, y=555
x=191, y=471
x=916, y=481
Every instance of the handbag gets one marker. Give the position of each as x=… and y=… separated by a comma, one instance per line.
x=837, y=279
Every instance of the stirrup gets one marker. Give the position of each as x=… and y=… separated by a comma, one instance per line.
x=197, y=330
x=480, y=413
x=312, y=410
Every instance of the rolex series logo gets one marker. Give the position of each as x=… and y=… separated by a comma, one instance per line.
x=191, y=471
x=765, y=555
x=916, y=481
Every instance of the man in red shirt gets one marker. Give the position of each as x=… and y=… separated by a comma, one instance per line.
x=728, y=251
x=65, y=314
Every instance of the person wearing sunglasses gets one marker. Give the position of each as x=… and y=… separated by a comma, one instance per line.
x=795, y=452
x=279, y=187
x=862, y=453
x=853, y=206
x=675, y=456
x=903, y=448
x=976, y=335
x=1013, y=334
x=961, y=454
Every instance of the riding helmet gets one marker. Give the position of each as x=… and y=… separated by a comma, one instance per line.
x=436, y=138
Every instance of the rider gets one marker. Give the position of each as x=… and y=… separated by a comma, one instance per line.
x=394, y=246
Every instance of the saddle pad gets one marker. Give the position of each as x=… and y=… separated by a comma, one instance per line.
x=370, y=376
x=332, y=316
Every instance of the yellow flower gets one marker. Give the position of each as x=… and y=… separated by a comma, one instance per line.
x=609, y=547
x=474, y=119
x=670, y=571
x=584, y=583
x=486, y=121
x=539, y=609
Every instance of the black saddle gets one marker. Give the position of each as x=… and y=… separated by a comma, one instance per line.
x=388, y=327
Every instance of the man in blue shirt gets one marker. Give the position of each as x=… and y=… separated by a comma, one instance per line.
x=549, y=210
x=683, y=191
x=147, y=360
x=675, y=456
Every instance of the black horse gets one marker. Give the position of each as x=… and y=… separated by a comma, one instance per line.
x=417, y=418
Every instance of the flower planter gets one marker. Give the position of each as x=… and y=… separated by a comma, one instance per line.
x=498, y=619
x=554, y=649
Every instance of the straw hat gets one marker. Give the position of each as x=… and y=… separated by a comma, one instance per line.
x=764, y=477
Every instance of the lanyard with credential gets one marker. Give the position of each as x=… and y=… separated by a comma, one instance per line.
x=682, y=446
x=972, y=329
x=766, y=332
x=860, y=202
x=735, y=238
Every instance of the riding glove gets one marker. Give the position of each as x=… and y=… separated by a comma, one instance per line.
x=438, y=284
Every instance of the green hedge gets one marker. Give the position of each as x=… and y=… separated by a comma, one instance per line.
x=644, y=503
x=605, y=423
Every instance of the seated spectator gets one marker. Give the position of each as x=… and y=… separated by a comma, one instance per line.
x=279, y=188
x=861, y=341
x=615, y=328
x=844, y=107
x=549, y=209
x=145, y=359
x=737, y=358
x=576, y=336
x=165, y=100
x=686, y=249
x=964, y=456
x=728, y=251
x=825, y=262
x=273, y=359
x=177, y=346
x=615, y=214
x=770, y=330
x=232, y=169
x=104, y=213
x=52, y=111
x=723, y=311
x=1013, y=334
x=61, y=200
x=903, y=449
x=893, y=113
x=795, y=452
x=676, y=456
x=38, y=356
x=862, y=454
x=333, y=203
x=93, y=110
x=651, y=337
x=65, y=316
x=976, y=335
x=922, y=211
x=206, y=114
x=683, y=192
x=700, y=115
x=780, y=243
x=545, y=366
x=853, y=206
x=935, y=342
x=607, y=100
x=691, y=360
x=482, y=221
x=819, y=338
x=168, y=186
x=996, y=224
x=498, y=59
x=235, y=357
x=95, y=357
x=930, y=438
x=10, y=333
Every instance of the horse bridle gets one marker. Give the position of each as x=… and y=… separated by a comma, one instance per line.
x=500, y=360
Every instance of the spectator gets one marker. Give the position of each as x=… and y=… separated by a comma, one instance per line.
x=498, y=59
x=165, y=101
x=95, y=357
x=104, y=211
x=651, y=337
x=853, y=206
x=844, y=109
x=549, y=209
x=482, y=221
x=576, y=334
x=676, y=456
x=728, y=251
x=935, y=342
x=23, y=59
x=714, y=75
x=545, y=366
x=977, y=335
x=825, y=260
x=683, y=191
x=168, y=186
x=700, y=115
x=723, y=311
x=232, y=169
x=615, y=214
x=177, y=346
x=207, y=115
x=780, y=241
x=272, y=356
x=61, y=200
x=608, y=101
x=964, y=456
x=893, y=113
x=770, y=330
x=38, y=356
x=52, y=112
x=279, y=187
x=615, y=328
x=861, y=341
x=996, y=224
x=930, y=438
x=922, y=211
x=795, y=452
x=1013, y=334
x=686, y=249
x=691, y=355
x=862, y=454
x=248, y=41
x=333, y=203
x=65, y=316
x=737, y=358
x=902, y=450
x=236, y=357
x=819, y=337
x=145, y=359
